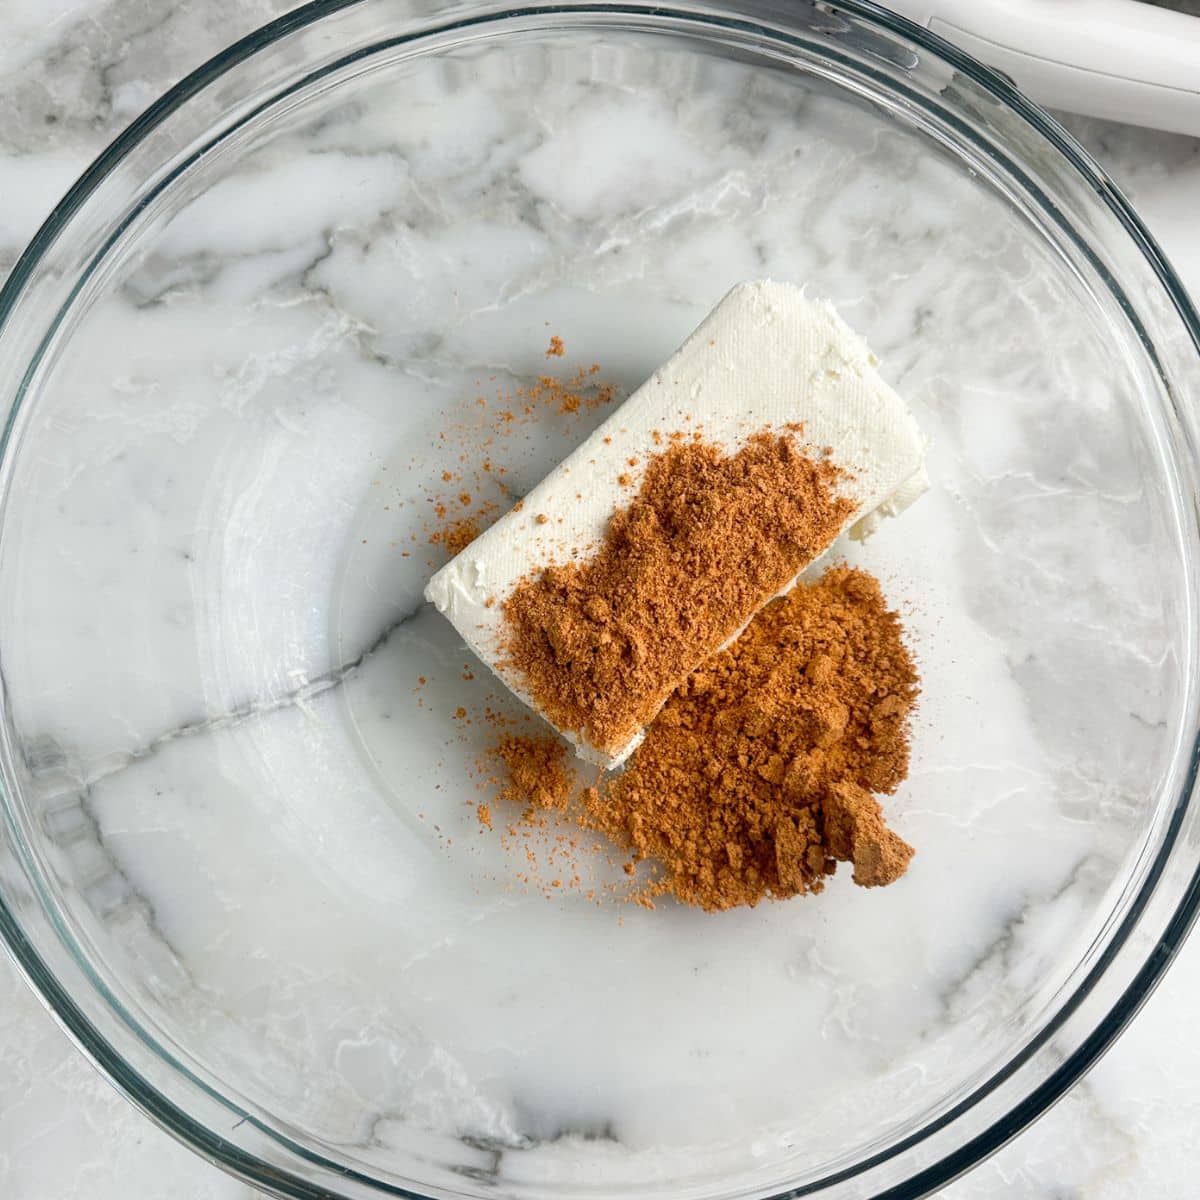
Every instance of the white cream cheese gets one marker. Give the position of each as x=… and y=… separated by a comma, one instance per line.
x=764, y=357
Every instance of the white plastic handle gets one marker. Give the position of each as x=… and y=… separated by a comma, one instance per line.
x=1119, y=59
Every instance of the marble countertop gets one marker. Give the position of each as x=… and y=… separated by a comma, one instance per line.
x=72, y=73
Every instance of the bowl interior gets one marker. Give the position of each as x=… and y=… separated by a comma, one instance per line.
x=234, y=759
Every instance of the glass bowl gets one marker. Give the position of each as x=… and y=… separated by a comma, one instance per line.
x=241, y=859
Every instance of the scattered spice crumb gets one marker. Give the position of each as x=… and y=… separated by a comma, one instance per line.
x=480, y=438
x=557, y=350
x=538, y=774
x=457, y=535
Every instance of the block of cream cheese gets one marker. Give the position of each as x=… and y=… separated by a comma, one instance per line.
x=765, y=357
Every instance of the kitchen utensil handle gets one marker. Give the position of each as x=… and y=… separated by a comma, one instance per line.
x=1119, y=59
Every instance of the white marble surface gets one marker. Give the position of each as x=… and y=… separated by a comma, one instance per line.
x=71, y=74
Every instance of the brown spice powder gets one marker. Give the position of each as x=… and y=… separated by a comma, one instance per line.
x=707, y=539
x=538, y=774
x=759, y=774
x=457, y=535
x=567, y=396
x=757, y=777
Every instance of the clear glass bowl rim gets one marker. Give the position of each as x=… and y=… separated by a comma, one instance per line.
x=743, y=14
